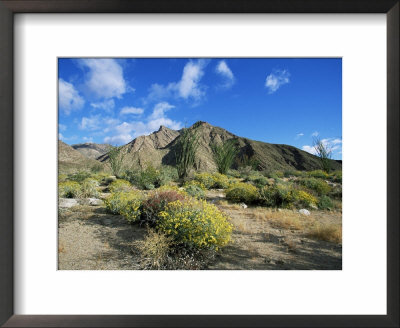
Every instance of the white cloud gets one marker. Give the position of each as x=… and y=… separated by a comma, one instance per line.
x=188, y=86
x=90, y=123
x=299, y=135
x=60, y=136
x=68, y=97
x=106, y=105
x=126, y=131
x=105, y=78
x=118, y=139
x=131, y=110
x=276, y=79
x=160, y=109
x=309, y=149
x=62, y=127
x=223, y=69
x=315, y=134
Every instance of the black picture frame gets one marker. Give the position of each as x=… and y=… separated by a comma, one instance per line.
x=10, y=7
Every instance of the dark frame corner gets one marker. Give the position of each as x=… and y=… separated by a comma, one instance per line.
x=7, y=10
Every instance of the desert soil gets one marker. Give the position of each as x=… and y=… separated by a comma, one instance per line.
x=91, y=239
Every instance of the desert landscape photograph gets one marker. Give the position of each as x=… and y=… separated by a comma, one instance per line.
x=199, y=164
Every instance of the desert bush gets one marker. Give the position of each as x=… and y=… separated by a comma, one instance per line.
x=195, y=223
x=234, y=173
x=195, y=191
x=62, y=178
x=286, y=196
x=319, y=174
x=195, y=183
x=150, y=178
x=242, y=192
x=225, y=154
x=336, y=176
x=336, y=192
x=79, y=176
x=205, y=178
x=117, y=201
x=69, y=189
x=331, y=232
x=292, y=173
x=155, y=203
x=301, y=198
x=119, y=185
x=185, y=154
x=96, y=168
x=89, y=188
x=275, y=196
x=325, y=203
x=214, y=180
x=116, y=157
x=317, y=185
x=166, y=175
x=154, y=249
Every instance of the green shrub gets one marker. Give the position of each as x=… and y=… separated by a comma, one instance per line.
x=89, y=188
x=286, y=196
x=69, y=189
x=206, y=179
x=336, y=176
x=325, y=203
x=195, y=223
x=318, y=174
x=292, y=173
x=214, y=180
x=275, y=196
x=195, y=191
x=79, y=176
x=242, y=192
x=301, y=198
x=317, y=185
x=155, y=203
x=225, y=154
x=119, y=185
x=124, y=203
x=62, y=178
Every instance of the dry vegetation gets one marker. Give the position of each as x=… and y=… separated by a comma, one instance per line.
x=265, y=233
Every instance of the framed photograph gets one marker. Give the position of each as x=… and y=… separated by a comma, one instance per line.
x=220, y=164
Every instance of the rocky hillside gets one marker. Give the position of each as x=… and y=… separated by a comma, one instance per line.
x=92, y=150
x=159, y=148
x=70, y=160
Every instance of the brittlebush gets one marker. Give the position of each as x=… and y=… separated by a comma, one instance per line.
x=125, y=203
x=195, y=223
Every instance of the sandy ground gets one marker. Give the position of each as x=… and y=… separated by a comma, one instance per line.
x=91, y=239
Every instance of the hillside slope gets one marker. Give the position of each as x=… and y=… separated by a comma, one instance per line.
x=92, y=150
x=70, y=160
x=159, y=148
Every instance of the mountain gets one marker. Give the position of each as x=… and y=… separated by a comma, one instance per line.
x=92, y=150
x=70, y=160
x=160, y=147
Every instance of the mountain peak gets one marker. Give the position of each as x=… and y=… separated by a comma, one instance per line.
x=163, y=128
x=200, y=123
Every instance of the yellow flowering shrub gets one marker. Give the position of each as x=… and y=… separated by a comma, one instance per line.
x=195, y=223
x=120, y=185
x=301, y=198
x=242, y=192
x=318, y=174
x=214, y=180
x=286, y=196
x=194, y=183
x=69, y=189
x=205, y=178
x=125, y=203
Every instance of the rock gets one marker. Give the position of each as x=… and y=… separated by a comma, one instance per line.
x=243, y=205
x=315, y=207
x=95, y=201
x=221, y=195
x=303, y=211
x=67, y=202
x=280, y=262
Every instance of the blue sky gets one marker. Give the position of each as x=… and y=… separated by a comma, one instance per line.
x=283, y=101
